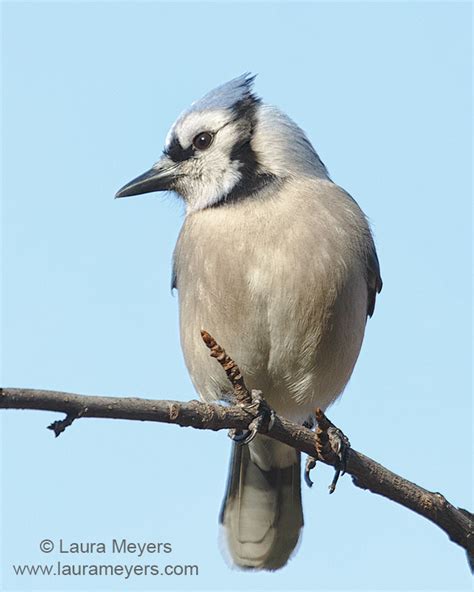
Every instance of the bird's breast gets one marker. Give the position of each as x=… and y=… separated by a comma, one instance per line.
x=282, y=292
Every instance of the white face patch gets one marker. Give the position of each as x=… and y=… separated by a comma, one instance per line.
x=207, y=193
x=209, y=175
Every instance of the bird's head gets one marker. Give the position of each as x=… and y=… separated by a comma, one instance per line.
x=227, y=146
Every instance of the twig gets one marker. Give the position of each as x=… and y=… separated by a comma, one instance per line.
x=241, y=392
x=60, y=425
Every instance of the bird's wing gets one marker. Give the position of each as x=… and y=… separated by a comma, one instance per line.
x=374, y=279
x=174, y=282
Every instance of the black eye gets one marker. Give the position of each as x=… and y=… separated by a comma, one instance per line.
x=203, y=140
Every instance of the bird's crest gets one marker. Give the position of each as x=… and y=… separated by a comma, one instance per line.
x=235, y=94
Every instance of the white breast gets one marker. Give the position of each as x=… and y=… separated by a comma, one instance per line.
x=279, y=281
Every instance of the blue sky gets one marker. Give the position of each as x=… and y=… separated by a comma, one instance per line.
x=89, y=91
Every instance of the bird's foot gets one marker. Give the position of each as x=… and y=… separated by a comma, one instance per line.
x=340, y=445
x=331, y=445
x=263, y=419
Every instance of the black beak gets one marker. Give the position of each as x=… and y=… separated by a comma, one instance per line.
x=159, y=178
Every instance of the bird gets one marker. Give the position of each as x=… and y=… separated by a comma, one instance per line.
x=278, y=263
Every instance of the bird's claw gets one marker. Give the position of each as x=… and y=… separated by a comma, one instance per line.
x=340, y=445
x=240, y=436
x=310, y=464
x=262, y=421
x=330, y=442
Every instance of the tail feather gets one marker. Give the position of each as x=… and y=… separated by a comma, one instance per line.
x=262, y=513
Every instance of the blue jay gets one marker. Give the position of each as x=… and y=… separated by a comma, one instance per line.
x=278, y=263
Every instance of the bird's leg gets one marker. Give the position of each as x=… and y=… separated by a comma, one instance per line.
x=263, y=418
x=331, y=441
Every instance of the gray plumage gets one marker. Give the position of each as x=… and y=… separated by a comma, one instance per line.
x=278, y=263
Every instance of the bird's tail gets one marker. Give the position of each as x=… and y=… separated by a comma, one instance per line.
x=262, y=513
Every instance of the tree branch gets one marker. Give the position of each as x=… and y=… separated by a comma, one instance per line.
x=457, y=523
x=365, y=472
